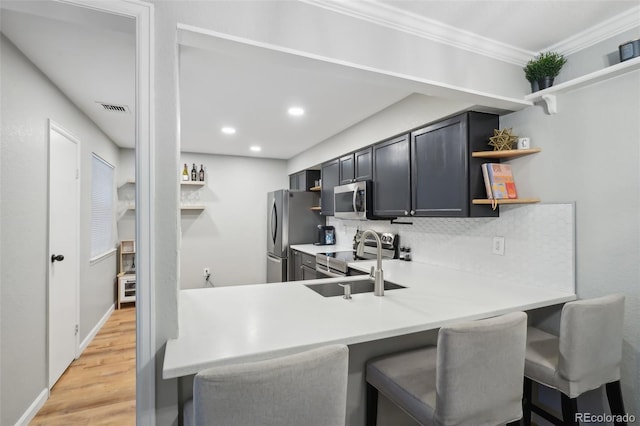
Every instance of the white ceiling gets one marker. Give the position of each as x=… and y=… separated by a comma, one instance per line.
x=533, y=25
x=90, y=57
x=253, y=95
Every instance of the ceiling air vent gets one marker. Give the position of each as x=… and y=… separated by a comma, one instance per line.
x=114, y=108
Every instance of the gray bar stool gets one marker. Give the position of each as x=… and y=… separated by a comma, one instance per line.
x=586, y=355
x=472, y=377
x=308, y=388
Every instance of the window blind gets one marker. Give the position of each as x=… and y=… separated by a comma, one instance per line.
x=102, y=205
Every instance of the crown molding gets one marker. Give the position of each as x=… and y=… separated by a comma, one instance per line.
x=600, y=32
x=420, y=26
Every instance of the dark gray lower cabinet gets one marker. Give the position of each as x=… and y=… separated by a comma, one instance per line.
x=303, y=266
x=330, y=177
x=308, y=273
x=392, y=178
x=295, y=265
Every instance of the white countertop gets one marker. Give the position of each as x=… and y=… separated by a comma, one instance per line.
x=244, y=323
x=314, y=249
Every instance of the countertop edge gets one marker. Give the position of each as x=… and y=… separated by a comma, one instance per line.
x=169, y=372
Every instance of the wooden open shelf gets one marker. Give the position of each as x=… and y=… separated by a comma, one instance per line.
x=511, y=153
x=192, y=182
x=192, y=207
x=507, y=201
x=316, y=209
x=315, y=188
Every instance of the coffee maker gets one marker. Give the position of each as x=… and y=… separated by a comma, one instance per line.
x=326, y=235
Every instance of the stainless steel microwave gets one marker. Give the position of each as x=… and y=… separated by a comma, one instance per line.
x=353, y=201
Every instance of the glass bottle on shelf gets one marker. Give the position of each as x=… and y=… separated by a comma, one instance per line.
x=194, y=173
x=185, y=173
x=201, y=174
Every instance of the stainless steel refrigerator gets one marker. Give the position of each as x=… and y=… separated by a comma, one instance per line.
x=290, y=220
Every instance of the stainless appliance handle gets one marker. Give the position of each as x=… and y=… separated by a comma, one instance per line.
x=274, y=259
x=274, y=227
x=328, y=273
x=355, y=195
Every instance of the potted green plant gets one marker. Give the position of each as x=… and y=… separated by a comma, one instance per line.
x=542, y=69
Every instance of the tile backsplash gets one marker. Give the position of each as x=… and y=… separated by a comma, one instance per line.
x=539, y=243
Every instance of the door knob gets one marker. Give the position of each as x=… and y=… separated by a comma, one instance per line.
x=58, y=257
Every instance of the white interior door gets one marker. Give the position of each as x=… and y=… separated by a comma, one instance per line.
x=63, y=250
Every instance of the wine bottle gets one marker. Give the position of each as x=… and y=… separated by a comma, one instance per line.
x=185, y=173
x=194, y=172
x=201, y=174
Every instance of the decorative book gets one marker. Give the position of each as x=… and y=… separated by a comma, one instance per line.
x=498, y=181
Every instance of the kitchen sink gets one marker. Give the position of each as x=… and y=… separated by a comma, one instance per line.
x=334, y=289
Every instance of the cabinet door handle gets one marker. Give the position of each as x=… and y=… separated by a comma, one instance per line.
x=413, y=212
x=58, y=258
x=406, y=213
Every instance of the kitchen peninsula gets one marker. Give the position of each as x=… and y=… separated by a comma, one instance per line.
x=227, y=325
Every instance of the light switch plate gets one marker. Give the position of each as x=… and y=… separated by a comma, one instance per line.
x=498, y=246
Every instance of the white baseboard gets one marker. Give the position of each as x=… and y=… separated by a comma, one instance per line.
x=94, y=331
x=33, y=409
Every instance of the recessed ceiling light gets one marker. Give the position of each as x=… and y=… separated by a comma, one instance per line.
x=228, y=130
x=296, y=111
x=255, y=148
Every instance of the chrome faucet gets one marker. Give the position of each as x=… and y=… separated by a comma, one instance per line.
x=377, y=274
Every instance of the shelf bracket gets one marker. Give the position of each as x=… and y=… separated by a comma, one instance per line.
x=552, y=105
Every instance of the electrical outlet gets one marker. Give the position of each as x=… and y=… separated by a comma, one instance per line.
x=205, y=272
x=498, y=246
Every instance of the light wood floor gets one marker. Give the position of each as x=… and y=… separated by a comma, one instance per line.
x=99, y=388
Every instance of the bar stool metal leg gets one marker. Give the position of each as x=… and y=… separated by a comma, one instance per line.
x=372, y=405
x=569, y=410
x=616, y=404
x=526, y=402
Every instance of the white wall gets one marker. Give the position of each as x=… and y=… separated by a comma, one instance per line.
x=538, y=240
x=229, y=235
x=411, y=112
x=596, y=57
x=29, y=99
x=591, y=155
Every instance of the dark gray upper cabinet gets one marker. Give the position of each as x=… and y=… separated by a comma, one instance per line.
x=480, y=128
x=357, y=166
x=428, y=172
x=330, y=172
x=294, y=181
x=346, y=169
x=304, y=180
x=445, y=177
x=363, y=164
x=431, y=172
x=392, y=177
x=439, y=169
